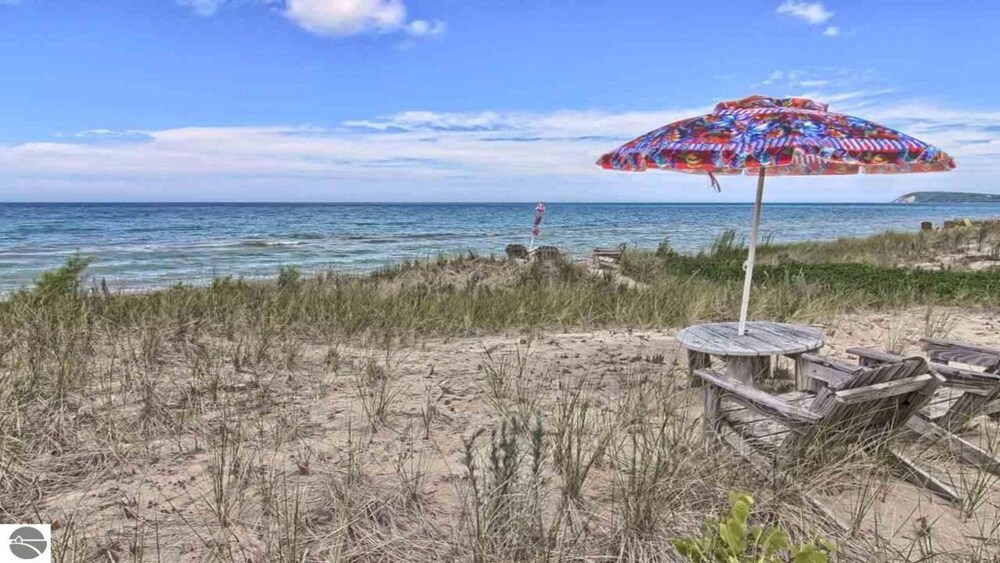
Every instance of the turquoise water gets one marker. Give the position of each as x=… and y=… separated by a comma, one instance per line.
x=151, y=245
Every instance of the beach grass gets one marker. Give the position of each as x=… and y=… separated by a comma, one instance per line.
x=100, y=390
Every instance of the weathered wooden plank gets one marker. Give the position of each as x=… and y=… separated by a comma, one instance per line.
x=786, y=336
x=992, y=408
x=962, y=352
x=757, y=399
x=712, y=417
x=965, y=379
x=832, y=378
x=915, y=474
x=832, y=363
x=748, y=368
x=764, y=339
x=941, y=342
x=794, y=334
x=884, y=389
x=875, y=356
x=738, y=345
x=765, y=469
x=701, y=340
x=962, y=411
x=801, y=381
x=697, y=360
x=966, y=450
x=941, y=403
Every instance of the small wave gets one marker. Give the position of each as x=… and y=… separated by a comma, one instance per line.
x=268, y=243
x=368, y=239
x=307, y=236
x=430, y=236
x=383, y=240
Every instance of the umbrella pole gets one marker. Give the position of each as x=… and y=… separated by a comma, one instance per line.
x=748, y=278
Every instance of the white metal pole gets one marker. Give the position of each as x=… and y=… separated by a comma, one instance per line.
x=748, y=278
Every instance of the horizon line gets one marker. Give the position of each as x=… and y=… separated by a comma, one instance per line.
x=443, y=202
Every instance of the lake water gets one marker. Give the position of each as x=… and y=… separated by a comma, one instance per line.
x=151, y=245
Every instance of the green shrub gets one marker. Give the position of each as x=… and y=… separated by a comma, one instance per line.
x=288, y=277
x=733, y=540
x=728, y=247
x=64, y=281
x=665, y=250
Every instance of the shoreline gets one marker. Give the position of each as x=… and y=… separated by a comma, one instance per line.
x=125, y=287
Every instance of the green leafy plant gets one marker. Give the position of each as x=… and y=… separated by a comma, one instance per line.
x=64, y=281
x=288, y=278
x=733, y=540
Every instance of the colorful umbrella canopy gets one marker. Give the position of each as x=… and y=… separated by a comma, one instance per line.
x=788, y=136
x=782, y=136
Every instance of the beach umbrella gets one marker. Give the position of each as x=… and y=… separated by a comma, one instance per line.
x=536, y=230
x=777, y=136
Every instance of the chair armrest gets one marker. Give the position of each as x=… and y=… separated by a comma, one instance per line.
x=829, y=362
x=927, y=343
x=834, y=373
x=967, y=380
x=962, y=352
x=759, y=400
x=870, y=356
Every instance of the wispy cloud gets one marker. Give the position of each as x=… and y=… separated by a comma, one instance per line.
x=422, y=148
x=336, y=18
x=813, y=13
x=202, y=7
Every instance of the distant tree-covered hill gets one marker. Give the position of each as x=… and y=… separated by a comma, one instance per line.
x=947, y=197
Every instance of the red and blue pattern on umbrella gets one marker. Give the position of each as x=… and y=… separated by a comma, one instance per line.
x=787, y=136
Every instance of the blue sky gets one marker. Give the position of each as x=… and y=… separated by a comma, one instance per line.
x=413, y=100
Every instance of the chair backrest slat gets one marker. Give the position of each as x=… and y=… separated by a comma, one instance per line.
x=873, y=401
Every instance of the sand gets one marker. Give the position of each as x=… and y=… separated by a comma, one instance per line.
x=310, y=433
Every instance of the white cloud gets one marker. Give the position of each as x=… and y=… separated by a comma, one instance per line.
x=486, y=155
x=203, y=7
x=811, y=12
x=340, y=18
x=347, y=17
x=831, y=31
x=424, y=28
x=335, y=18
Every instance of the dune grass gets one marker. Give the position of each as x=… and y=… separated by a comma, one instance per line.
x=98, y=385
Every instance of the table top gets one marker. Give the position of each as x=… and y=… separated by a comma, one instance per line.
x=761, y=339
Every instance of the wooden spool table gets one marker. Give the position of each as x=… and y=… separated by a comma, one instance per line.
x=747, y=357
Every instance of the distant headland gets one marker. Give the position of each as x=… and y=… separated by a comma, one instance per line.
x=947, y=197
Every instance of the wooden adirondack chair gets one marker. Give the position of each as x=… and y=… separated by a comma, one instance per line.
x=949, y=352
x=850, y=408
x=602, y=258
x=964, y=395
x=854, y=406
